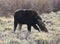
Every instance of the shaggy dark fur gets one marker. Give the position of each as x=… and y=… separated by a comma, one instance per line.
x=30, y=18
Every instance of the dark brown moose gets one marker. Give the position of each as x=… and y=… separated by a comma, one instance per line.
x=30, y=18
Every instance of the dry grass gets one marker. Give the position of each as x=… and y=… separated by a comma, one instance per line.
x=52, y=23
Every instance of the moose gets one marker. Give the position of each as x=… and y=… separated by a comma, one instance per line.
x=30, y=18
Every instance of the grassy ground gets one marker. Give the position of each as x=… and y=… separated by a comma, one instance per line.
x=52, y=21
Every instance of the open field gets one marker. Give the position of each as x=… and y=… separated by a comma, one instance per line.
x=52, y=21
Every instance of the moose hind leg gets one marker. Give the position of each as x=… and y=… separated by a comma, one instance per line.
x=15, y=25
x=20, y=26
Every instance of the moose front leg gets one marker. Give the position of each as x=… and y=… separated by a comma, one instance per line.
x=42, y=26
x=29, y=28
x=36, y=27
x=29, y=31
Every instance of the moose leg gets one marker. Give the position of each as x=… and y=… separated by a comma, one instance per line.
x=35, y=26
x=29, y=31
x=20, y=26
x=15, y=25
x=29, y=28
x=42, y=26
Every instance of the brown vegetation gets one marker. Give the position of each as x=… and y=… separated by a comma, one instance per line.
x=7, y=7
